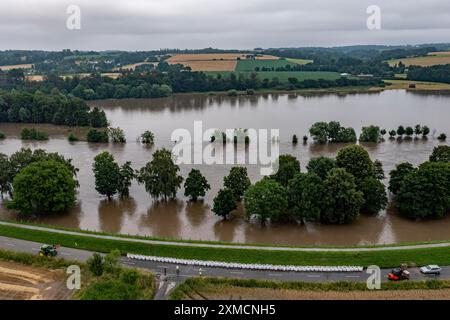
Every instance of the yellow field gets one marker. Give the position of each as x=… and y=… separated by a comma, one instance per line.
x=299, y=61
x=133, y=66
x=16, y=66
x=213, y=61
x=430, y=60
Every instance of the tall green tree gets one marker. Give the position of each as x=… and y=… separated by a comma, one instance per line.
x=237, y=181
x=107, y=174
x=342, y=202
x=375, y=197
x=288, y=167
x=321, y=166
x=397, y=176
x=305, y=193
x=6, y=174
x=440, y=154
x=266, y=199
x=126, y=177
x=425, y=193
x=43, y=187
x=195, y=185
x=356, y=161
x=224, y=203
x=160, y=176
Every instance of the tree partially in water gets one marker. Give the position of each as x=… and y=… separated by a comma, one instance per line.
x=237, y=181
x=224, y=203
x=195, y=185
x=107, y=174
x=160, y=176
x=43, y=187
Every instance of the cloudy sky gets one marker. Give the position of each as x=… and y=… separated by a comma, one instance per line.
x=242, y=24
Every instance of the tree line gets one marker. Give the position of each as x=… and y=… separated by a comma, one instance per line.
x=54, y=108
x=331, y=191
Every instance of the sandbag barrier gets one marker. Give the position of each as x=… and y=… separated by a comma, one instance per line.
x=247, y=266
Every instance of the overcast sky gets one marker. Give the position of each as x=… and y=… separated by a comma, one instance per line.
x=241, y=24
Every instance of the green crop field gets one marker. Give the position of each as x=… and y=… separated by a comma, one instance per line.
x=250, y=65
x=283, y=76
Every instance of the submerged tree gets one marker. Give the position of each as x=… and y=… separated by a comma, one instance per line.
x=224, y=203
x=107, y=174
x=195, y=185
x=237, y=181
x=160, y=176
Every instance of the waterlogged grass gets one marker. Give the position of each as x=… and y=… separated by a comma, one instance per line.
x=193, y=286
x=325, y=258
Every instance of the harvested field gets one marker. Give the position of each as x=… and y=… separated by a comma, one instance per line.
x=20, y=282
x=133, y=66
x=236, y=293
x=213, y=61
x=16, y=66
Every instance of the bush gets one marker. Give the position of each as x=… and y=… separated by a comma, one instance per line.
x=72, y=138
x=97, y=136
x=370, y=134
x=2, y=135
x=33, y=134
x=117, y=135
x=43, y=187
x=110, y=289
x=147, y=137
x=333, y=132
x=95, y=264
x=294, y=139
x=442, y=137
x=232, y=93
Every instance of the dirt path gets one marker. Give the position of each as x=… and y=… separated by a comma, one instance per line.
x=20, y=282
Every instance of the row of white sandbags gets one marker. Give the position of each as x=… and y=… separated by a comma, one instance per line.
x=248, y=266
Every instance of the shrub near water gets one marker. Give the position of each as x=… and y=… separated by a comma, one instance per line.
x=33, y=134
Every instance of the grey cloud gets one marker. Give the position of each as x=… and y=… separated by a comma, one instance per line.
x=153, y=24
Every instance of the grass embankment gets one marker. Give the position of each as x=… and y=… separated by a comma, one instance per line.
x=201, y=287
x=326, y=258
x=115, y=282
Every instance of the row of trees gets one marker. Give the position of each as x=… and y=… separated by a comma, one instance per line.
x=332, y=191
x=333, y=132
x=54, y=108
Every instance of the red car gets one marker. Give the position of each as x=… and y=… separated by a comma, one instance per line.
x=398, y=275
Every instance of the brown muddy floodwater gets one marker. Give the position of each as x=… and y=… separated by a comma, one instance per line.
x=292, y=115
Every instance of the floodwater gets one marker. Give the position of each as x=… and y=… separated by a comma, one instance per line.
x=292, y=115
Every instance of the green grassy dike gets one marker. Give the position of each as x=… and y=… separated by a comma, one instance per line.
x=385, y=259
